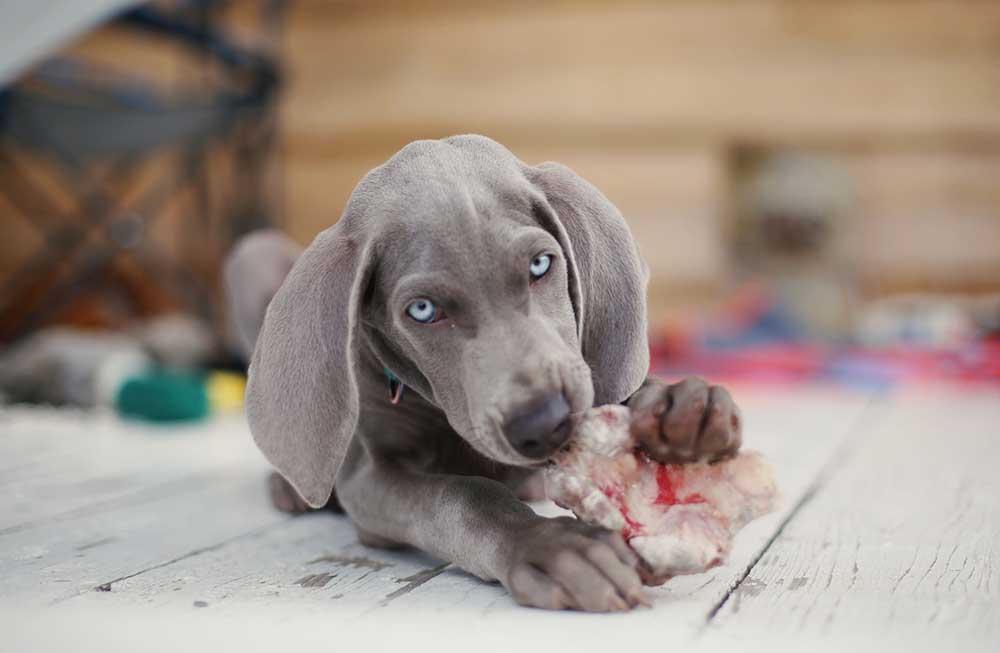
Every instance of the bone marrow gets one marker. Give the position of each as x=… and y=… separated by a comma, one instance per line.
x=681, y=519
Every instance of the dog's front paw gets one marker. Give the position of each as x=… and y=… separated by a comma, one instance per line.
x=563, y=563
x=686, y=421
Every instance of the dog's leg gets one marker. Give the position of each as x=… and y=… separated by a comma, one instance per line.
x=479, y=525
x=686, y=421
x=529, y=488
x=252, y=273
x=286, y=499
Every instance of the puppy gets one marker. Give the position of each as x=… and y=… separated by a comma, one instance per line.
x=429, y=352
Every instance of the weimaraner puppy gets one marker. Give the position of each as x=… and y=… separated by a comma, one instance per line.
x=428, y=353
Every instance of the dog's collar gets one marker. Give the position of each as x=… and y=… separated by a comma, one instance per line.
x=396, y=387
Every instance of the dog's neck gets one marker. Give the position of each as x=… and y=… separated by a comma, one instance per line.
x=395, y=370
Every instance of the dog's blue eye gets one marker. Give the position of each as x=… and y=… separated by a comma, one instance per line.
x=422, y=310
x=540, y=265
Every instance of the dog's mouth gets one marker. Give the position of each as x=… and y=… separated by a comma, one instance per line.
x=553, y=459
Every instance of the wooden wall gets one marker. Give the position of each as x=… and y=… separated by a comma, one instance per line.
x=651, y=101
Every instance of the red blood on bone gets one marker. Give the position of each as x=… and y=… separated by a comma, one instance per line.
x=607, y=416
x=673, y=540
x=632, y=527
x=665, y=495
x=667, y=492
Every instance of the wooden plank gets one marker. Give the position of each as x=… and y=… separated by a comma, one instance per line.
x=57, y=463
x=66, y=557
x=90, y=498
x=308, y=565
x=865, y=25
x=314, y=565
x=637, y=69
x=900, y=544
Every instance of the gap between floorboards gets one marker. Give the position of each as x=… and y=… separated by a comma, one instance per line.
x=844, y=452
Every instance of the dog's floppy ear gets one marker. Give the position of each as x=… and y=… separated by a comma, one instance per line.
x=607, y=279
x=302, y=391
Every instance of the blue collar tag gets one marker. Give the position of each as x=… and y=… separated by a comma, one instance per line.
x=396, y=387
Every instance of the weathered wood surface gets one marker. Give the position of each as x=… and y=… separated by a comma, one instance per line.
x=56, y=462
x=88, y=498
x=114, y=531
x=901, y=541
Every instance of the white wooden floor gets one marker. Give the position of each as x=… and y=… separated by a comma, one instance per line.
x=118, y=536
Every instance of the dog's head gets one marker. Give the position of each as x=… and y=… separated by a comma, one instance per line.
x=509, y=296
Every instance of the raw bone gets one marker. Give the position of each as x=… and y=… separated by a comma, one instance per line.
x=680, y=519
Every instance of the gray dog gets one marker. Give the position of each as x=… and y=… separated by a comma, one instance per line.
x=428, y=353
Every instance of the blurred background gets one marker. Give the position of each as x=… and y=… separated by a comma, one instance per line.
x=815, y=185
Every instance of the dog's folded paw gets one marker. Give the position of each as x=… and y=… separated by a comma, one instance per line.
x=686, y=421
x=564, y=563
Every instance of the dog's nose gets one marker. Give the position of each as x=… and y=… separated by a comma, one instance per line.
x=540, y=428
